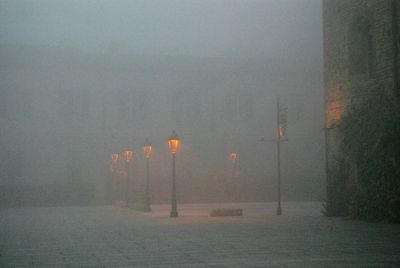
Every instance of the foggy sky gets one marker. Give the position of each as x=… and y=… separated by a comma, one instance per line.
x=278, y=28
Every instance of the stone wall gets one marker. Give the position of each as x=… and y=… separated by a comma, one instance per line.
x=359, y=50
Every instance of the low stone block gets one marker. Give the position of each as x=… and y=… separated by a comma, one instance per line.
x=226, y=212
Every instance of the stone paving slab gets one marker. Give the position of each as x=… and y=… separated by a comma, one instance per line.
x=120, y=237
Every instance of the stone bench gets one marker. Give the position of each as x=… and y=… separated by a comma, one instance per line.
x=226, y=212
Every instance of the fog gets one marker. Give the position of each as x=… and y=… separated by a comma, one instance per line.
x=80, y=80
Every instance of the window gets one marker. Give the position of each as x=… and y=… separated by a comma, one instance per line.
x=361, y=50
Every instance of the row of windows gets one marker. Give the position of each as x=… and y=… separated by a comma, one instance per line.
x=79, y=105
x=194, y=107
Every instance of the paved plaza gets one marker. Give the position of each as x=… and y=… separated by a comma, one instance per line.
x=120, y=237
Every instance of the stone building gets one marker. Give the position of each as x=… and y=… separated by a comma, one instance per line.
x=361, y=42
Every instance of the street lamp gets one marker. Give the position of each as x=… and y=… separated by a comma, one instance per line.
x=281, y=131
x=281, y=121
x=113, y=185
x=147, y=153
x=128, y=158
x=233, y=157
x=173, y=144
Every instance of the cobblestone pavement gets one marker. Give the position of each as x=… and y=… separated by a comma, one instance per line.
x=120, y=237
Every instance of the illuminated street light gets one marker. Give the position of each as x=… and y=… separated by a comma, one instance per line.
x=128, y=155
x=281, y=122
x=233, y=157
x=173, y=143
x=128, y=159
x=147, y=153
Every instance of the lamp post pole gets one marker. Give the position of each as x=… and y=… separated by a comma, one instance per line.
x=174, y=211
x=147, y=208
x=128, y=173
x=233, y=157
x=128, y=159
x=173, y=144
x=278, y=147
x=233, y=170
x=147, y=152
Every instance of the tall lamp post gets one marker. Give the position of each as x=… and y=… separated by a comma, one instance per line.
x=281, y=124
x=128, y=158
x=281, y=132
x=228, y=192
x=233, y=157
x=147, y=153
x=173, y=144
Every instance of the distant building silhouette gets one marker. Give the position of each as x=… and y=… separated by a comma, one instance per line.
x=64, y=112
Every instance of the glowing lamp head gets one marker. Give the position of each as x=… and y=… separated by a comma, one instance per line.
x=233, y=157
x=128, y=155
x=114, y=158
x=174, y=143
x=147, y=149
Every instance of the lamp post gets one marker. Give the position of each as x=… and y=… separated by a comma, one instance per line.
x=173, y=144
x=233, y=157
x=113, y=170
x=281, y=129
x=281, y=123
x=128, y=158
x=147, y=153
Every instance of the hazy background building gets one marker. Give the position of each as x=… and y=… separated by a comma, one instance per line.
x=75, y=91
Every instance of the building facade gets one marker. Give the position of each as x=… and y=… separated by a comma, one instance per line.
x=361, y=42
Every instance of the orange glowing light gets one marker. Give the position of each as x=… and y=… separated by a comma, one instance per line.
x=114, y=158
x=233, y=157
x=334, y=108
x=174, y=143
x=128, y=155
x=147, y=150
x=334, y=113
